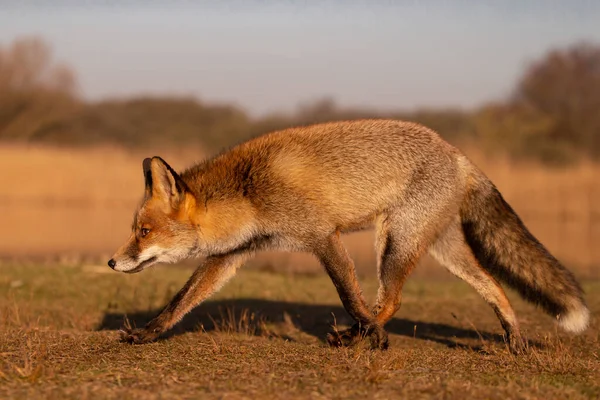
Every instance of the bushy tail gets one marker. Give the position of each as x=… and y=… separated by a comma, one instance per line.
x=510, y=253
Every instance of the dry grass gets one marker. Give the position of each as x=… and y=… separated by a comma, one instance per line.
x=262, y=337
x=67, y=203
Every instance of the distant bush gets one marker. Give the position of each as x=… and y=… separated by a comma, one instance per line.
x=34, y=91
x=553, y=115
x=149, y=122
x=560, y=96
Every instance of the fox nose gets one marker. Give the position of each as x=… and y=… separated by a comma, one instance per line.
x=112, y=263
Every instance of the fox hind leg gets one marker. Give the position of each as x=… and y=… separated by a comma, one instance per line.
x=340, y=269
x=401, y=240
x=452, y=251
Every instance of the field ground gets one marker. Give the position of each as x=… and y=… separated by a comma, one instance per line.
x=262, y=337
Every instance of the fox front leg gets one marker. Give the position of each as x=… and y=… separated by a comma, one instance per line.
x=206, y=280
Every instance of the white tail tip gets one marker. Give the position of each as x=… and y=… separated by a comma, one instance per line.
x=575, y=321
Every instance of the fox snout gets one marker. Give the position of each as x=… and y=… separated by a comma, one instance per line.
x=129, y=259
x=131, y=266
x=124, y=264
x=125, y=259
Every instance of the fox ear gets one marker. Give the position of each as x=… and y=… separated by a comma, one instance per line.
x=162, y=182
x=147, y=177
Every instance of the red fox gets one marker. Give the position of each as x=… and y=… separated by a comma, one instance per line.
x=298, y=189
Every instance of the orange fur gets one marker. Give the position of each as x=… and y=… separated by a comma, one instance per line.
x=299, y=188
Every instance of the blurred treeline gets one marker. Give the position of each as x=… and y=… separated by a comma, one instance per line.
x=552, y=115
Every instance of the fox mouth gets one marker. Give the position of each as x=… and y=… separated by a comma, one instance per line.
x=142, y=265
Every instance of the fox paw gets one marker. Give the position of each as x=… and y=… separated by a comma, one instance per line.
x=379, y=338
x=354, y=335
x=137, y=336
x=517, y=345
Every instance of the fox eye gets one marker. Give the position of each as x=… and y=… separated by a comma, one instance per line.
x=144, y=232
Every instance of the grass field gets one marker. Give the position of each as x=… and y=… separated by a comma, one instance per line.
x=262, y=337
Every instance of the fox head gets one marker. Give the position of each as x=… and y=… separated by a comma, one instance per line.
x=163, y=229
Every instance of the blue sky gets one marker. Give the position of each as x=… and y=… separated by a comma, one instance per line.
x=266, y=56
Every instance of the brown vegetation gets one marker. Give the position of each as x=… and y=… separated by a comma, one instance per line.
x=551, y=117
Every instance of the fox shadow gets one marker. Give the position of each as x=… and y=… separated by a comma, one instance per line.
x=313, y=319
